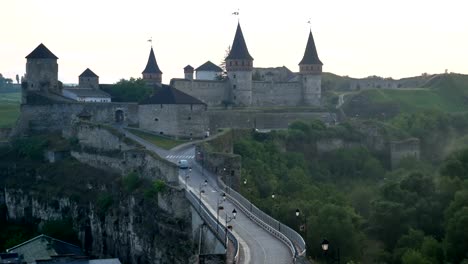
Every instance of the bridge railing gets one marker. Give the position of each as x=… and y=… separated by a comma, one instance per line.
x=216, y=227
x=291, y=238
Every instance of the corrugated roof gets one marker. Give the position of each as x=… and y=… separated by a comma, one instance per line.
x=88, y=73
x=41, y=52
x=310, y=54
x=88, y=92
x=239, y=48
x=169, y=95
x=152, y=65
x=209, y=66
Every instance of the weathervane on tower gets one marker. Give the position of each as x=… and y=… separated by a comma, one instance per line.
x=150, y=40
x=310, y=24
x=236, y=13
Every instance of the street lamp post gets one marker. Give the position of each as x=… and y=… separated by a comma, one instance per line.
x=201, y=191
x=228, y=220
x=187, y=176
x=202, y=158
x=325, y=247
x=218, y=208
x=304, y=221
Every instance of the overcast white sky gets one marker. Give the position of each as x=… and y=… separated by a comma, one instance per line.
x=358, y=38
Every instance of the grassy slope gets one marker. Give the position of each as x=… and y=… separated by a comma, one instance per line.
x=163, y=142
x=448, y=93
x=9, y=108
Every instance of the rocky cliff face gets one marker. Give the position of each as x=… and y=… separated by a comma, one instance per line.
x=130, y=227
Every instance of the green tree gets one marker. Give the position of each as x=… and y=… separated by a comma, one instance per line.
x=456, y=237
x=132, y=90
x=414, y=257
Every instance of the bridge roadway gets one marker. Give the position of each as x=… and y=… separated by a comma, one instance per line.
x=256, y=245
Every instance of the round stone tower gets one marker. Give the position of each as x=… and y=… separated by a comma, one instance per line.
x=152, y=74
x=41, y=72
x=239, y=65
x=310, y=69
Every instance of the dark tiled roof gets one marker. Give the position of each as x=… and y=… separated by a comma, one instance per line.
x=188, y=67
x=310, y=54
x=152, y=65
x=41, y=52
x=166, y=94
x=209, y=66
x=239, y=48
x=88, y=73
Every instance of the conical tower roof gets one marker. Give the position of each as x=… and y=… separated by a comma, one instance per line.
x=152, y=65
x=239, y=49
x=41, y=52
x=310, y=54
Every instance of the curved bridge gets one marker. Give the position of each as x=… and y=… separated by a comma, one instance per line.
x=256, y=237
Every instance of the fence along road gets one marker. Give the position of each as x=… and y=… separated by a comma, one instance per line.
x=262, y=239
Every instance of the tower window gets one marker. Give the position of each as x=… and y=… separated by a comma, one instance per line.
x=234, y=76
x=234, y=86
x=235, y=63
x=235, y=97
x=242, y=63
x=189, y=118
x=230, y=63
x=156, y=119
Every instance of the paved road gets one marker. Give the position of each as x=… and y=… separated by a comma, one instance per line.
x=257, y=245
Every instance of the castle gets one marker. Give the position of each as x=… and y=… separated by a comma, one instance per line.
x=187, y=108
x=240, y=88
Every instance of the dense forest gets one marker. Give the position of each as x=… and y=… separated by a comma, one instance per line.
x=416, y=213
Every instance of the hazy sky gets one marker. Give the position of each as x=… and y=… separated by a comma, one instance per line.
x=358, y=38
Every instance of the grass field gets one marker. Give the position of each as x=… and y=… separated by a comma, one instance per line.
x=9, y=108
x=163, y=142
x=447, y=93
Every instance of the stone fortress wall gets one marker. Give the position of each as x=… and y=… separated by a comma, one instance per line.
x=58, y=116
x=276, y=94
x=210, y=92
x=184, y=121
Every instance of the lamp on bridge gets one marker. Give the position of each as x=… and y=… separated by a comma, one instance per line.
x=202, y=191
x=229, y=219
x=218, y=208
x=331, y=257
x=303, y=224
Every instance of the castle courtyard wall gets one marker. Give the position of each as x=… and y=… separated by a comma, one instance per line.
x=212, y=93
x=183, y=121
x=276, y=94
x=59, y=116
x=259, y=120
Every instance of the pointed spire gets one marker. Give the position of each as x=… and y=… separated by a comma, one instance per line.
x=310, y=54
x=152, y=65
x=239, y=49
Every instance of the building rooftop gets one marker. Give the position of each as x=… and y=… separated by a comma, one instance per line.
x=41, y=52
x=188, y=67
x=88, y=92
x=44, y=247
x=88, y=73
x=169, y=95
x=239, y=48
x=209, y=66
x=152, y=65
x=310, y=54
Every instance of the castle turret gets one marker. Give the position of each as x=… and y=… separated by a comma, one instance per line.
x=239, y=65
x=310, y=69
x=152, y=74
x=88, y=79
x=188, y=72
x=41, y=71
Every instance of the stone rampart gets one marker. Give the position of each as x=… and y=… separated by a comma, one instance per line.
x=106, y=148
x=276, y=94
x=399, y=150
x=181, y=121
x=259, y=120
x=213, y=93
x=58, y=116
